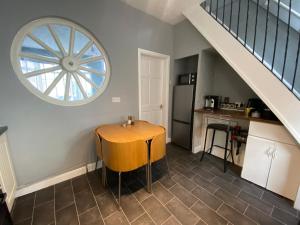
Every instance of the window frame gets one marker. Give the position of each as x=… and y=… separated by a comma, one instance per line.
x=15, y=59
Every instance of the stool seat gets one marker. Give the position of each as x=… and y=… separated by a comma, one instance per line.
x=218, y=126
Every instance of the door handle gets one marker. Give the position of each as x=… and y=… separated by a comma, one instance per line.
x=161, y=106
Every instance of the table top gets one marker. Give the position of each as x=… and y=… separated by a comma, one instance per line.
x=235, y=115
x=141, y=130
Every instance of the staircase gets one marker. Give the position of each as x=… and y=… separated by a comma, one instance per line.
x=262, y=45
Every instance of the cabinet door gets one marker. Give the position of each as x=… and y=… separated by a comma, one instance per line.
x=284, y=176
x=257, y=161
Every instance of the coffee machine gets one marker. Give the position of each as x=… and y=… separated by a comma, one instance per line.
x=211, y=102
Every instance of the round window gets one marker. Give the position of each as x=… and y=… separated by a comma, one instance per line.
x=60, y=62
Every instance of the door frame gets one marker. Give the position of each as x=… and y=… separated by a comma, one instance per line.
x=166, y=82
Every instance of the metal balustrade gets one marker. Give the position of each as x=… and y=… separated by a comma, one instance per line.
x=269, y=29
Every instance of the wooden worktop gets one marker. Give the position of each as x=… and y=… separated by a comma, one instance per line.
x=235, y=115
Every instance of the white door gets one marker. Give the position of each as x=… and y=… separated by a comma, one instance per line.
x=257, y=161
x=151, y=89
x=284, y=176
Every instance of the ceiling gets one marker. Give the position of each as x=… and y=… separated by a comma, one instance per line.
x=169, y=11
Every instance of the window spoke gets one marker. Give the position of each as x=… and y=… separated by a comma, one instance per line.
x=84, y=49
x=54, y=83
x=41, y=43
x=57, y=40
x=80, y=85
x=72, y=37
x=96, y=72
x=67, y=90
x=91, y=59
x=87, y=79
x=39, y=72
x=39, y=57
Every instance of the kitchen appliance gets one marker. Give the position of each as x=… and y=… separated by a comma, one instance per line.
x=183, y=113
x=211, y=102
x=187, y=79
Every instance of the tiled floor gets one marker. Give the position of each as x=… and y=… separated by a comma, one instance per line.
x=196, y=193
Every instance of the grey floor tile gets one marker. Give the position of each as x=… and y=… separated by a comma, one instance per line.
x=207, y=198
x=139, y=190
x=185, y=196
x=67, y=216
x=167, y=182
x=143, y=220
x=285, y=217
x=117, y=218
x=208, y=215
x=279, y=202
x=131, y=207
x=260, y=217
x=212, y=188
x=171, y=221
x=204, y=173
x=257, y=203
x=181, y=212
x=63, y=196
x=84, y=200
x=63, y=185
x=161, y=192
x=248, y=187
x=22, y=210
x=156, y=210
x=80, y=184
x=183, y=181
x=91, y=217
x=44, y=195
x=24, y=222
x=107, y=204
x=231, y=200
x=44, y=214
x=184, y=171
x=233, y=189
x=23, y=198
x=234, y=216
x=220, y=173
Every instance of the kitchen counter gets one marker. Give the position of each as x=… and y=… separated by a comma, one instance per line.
x=235, y=115
x=3, y=130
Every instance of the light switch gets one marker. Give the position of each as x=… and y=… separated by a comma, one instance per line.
x=116, y=99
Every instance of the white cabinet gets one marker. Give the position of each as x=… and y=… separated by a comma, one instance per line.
x=271, y=163
x=7, y=175
x=284, y=173
x=257, y=161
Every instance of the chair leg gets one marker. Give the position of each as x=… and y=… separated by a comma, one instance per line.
x=119, y=190
x=225, y=153
x=212, y=142
x=167, y=164
x=96, y=163
x=104, y=179
x=203, y=152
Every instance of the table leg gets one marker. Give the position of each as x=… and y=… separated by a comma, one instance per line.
x=149, y=172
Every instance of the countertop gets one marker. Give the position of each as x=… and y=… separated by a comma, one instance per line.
x=235, y=115
x=3, y=130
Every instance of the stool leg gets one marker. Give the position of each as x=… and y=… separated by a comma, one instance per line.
x=104, y=179
x=212, y=142
x=203, y=152
x=231, y=151
x=225, y=154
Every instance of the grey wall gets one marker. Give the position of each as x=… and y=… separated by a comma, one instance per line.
x=46, y=139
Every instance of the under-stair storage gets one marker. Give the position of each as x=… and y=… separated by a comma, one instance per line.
x=271, y=161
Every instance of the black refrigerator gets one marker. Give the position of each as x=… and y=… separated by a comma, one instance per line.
x=183, y=115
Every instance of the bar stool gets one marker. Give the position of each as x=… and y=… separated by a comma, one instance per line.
x=219, y=127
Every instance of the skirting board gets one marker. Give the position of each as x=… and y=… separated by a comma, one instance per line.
x=56, y=179
x=168, y=140
x=197, y=149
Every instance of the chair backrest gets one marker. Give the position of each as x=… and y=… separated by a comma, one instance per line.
x=123, y=157
x=158, y=147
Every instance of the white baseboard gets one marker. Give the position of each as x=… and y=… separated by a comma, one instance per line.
x=56, y=179
x=197, y=149
x=168, y=140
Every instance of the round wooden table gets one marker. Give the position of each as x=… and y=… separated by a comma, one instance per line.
x=135, y=143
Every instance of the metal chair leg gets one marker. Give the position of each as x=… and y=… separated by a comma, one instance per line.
x=212, y=142
x=167, y=164
x=96, y=163
x=203, y=152
x=225, y=153
x=104, y=179
x=231, y=151
x=119, y=191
